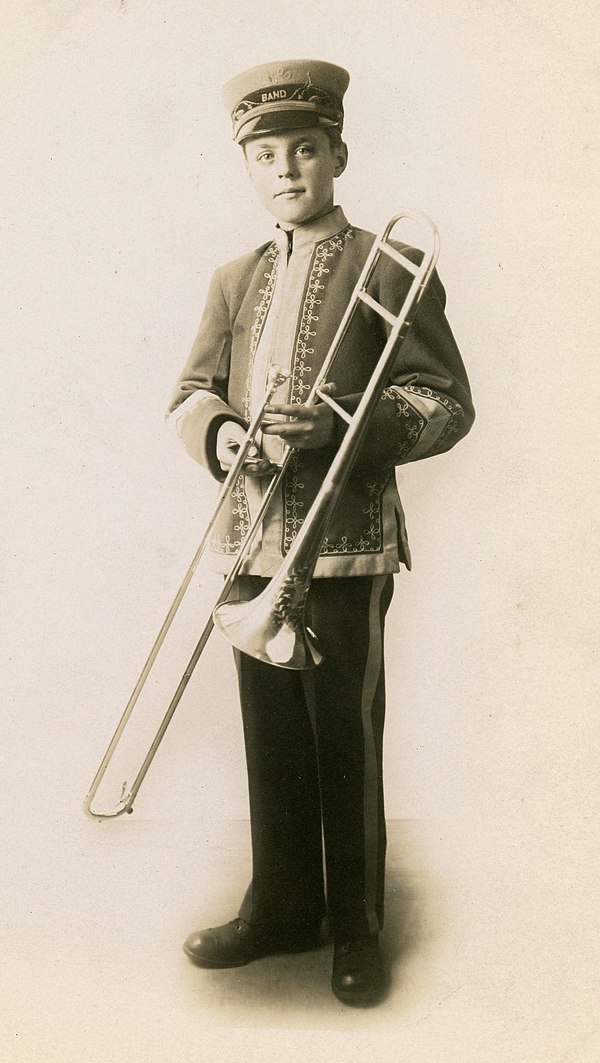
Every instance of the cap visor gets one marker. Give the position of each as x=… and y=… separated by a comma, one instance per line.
x=278, y=121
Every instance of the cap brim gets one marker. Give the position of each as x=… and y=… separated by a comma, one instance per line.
x=278, y=121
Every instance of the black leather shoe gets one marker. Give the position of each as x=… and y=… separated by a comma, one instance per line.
x=237, y=943
x=359, y=977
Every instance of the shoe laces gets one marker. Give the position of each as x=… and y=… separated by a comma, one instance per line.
x=238, y=924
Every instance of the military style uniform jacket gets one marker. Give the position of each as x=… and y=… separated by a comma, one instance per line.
x=281, y=305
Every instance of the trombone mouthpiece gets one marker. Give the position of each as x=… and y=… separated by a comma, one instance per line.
x=276, y=376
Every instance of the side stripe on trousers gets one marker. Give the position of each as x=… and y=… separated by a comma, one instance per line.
x=371, y=781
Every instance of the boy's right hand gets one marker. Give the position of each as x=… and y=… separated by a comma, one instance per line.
x=229, y=439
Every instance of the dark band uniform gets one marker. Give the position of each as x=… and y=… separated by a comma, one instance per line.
x=314, y=741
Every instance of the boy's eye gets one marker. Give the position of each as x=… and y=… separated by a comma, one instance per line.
x=304, y=149
x=265, y=156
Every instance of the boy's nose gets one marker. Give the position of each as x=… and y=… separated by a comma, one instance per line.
x=287, y=167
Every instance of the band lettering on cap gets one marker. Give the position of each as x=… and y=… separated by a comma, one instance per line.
x=276, y=94
x=305, y=92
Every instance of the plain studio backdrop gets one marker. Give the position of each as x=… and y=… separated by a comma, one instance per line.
x=123, y=191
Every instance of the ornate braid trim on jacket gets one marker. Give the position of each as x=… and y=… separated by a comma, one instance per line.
x=426, y=425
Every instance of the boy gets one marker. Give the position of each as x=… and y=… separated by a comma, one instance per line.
x=313, y=739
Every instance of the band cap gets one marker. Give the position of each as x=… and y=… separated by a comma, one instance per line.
x=286, y=95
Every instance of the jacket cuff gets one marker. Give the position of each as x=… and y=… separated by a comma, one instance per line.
x=196, y=421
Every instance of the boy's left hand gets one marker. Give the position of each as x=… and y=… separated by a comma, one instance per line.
x=311, y=426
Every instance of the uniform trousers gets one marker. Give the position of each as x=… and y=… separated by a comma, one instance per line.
x=314, y=753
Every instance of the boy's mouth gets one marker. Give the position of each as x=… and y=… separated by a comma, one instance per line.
x=289, y=192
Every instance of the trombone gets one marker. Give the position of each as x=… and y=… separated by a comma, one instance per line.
x=272, y=627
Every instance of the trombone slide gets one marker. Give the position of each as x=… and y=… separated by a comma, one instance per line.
x=272, y=626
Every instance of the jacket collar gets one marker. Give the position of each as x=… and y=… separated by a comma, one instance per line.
x=312, y=232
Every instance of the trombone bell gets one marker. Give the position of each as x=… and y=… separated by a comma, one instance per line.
x=271, y=627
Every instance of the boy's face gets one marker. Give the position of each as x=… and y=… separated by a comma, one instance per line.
x=293, y=173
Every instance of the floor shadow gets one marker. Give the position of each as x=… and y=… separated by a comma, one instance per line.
x=284, y=990
x=415, y=910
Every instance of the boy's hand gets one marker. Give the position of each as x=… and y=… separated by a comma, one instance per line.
x=229, y=439
x=311, y=426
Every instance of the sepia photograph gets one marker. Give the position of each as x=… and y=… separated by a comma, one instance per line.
x=299, y=592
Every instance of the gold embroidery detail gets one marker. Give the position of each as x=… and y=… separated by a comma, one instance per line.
x=261, y=311
x=370, y=539
x=227, y=545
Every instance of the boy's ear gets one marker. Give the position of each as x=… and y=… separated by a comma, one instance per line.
x=341, y=159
